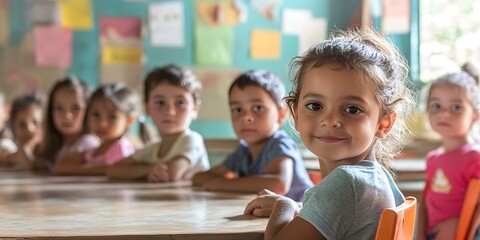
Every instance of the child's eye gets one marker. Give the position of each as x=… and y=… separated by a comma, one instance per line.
x=180, y=103
x=58, y=109
x=96, y=114
x=257, y=108
x=75, y=108
x=435, y=107
x=235, y=110
x=113, y=117
x=353, y=110
x=456, y=107
x=314, y=106
x=160, y=103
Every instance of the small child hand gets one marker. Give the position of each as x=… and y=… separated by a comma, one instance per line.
x=159, y=173
x=262, y=206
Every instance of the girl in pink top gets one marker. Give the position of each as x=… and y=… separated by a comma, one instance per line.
x=112, y=109
x=453, y=109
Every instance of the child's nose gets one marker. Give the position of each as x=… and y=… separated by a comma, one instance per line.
x=330, y=121
x=171, y=110
x=445, y=114
x=248, y=117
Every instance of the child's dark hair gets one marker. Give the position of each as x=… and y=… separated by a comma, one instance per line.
x=471, y=70
x=379, y=63
x=53, y=139
x=264, y=79
x=173, y=75
x=122, y=97
x=24, y=102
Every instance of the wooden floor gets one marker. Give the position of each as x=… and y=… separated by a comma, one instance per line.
x=36, y=206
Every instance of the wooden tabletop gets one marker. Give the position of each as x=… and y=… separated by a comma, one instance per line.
x=40, y=206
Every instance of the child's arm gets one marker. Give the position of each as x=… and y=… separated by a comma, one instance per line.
x=278, y=178
x=283, y=222
x=23, y=159
x=422, y=218
x=129, y=168
x=475, y=221
x=74, y=164
x=219, y=171
x=170, y=171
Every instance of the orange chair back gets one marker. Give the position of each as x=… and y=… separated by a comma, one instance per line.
x=468, y=208
x=398, y=222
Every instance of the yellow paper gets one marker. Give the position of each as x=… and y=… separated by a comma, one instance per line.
x=76, y=14
x=130, y=55
x=228, y=14
x=265, y=44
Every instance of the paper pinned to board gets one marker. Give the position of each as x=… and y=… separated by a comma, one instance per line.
x=52, y=46
x=293, y=19
x=311, y=33
x=167, y=24
x=76, y=14
x=265, y=44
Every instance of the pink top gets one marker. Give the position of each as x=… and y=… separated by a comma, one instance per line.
x=84, y=143
x=448, y=174
x=119, y=150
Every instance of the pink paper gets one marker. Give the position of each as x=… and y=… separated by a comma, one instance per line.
x=53, y=46
x=122, y=26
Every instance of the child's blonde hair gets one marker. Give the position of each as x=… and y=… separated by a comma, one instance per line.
x=379, y=63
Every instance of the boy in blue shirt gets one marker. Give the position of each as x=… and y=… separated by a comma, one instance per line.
x=266, y=158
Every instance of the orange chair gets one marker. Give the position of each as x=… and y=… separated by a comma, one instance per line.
x=398, y=222
x=468, y=208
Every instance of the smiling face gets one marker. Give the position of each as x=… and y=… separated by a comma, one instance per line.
x=449, y=112
x=68, y=111
x=106, y=121
x=338, y=116
x=172, y=108
x=255, y=116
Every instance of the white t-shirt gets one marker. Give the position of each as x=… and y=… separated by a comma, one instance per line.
x=189, y=145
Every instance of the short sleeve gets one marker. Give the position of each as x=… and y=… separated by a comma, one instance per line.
x=328, y=204
x=117, y=152
x=191, y=146
x=234, y=159
x=473, y=168
x=283, y=147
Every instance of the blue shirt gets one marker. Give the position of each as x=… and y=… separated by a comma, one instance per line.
x=348, y=202
x=279, y=145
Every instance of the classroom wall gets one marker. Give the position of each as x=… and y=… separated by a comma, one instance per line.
x=18, y=71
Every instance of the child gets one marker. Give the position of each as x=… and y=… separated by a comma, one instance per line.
x=25, y=121
x=64, y=131
x=172, y=99
x=349, y=102
x=111, y=111
x=7, y=146
x=266, y=157
x=453, y=109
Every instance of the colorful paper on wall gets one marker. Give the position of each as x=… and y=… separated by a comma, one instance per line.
x=268, y=8
x=53, y=46
x=45, y=11
x=76, y=14
x=167, y=24
x=312, y=32
x=396, y=16
x=224, y=13
x=120, y=27
x=265, y=44
x=113, y=55
x=294, y=19
x=213, y=45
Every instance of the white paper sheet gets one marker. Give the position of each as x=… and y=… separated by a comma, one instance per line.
x=293, y=19
x=167, y=24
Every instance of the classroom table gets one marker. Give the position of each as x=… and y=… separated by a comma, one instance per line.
x=39, y=207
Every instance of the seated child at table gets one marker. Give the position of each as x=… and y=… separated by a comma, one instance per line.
x=111, y=111
x=265, y=157
x=172, y=100
x=26, y=122
x=7, y=146
x=64, y=130
x=453, y=105
x=350, y=100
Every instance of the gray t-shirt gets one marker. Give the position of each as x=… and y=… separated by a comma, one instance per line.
x=348, y=202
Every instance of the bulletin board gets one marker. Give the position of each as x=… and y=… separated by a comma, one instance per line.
x=275, y=20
